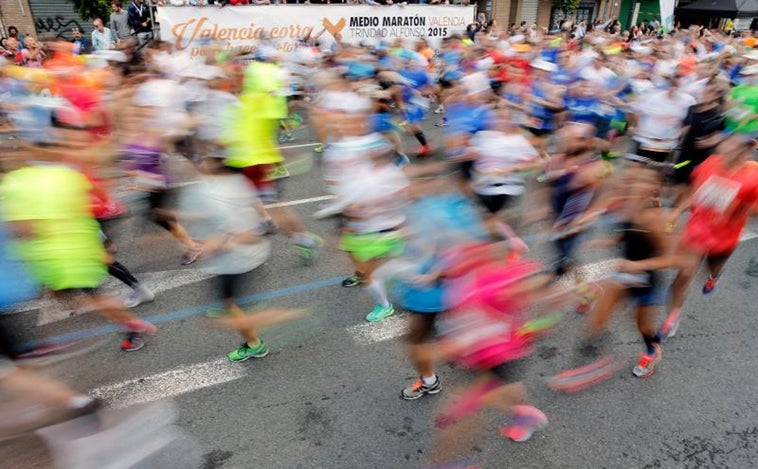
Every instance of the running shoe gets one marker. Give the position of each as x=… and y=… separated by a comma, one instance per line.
x=286, y=138
x=279, y=172
x=246, y=352
x=132, y=342
x=424, y=151
x=710, y=285
x=523, y=422
x=670, y=326
x=353, y=281
x=190, y=257
x=646, y=366
x=380, y=312
x=319, y=148
x=440, y=109
x=441, y=123
x=584, y=305
x=310, y=252
x=402, y=160
x=419, y=389
x=577, y=379
x=138, y=296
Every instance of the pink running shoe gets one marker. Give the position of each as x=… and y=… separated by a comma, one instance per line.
x=523, y=422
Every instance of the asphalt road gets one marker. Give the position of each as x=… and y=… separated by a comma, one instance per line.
x=327, y=396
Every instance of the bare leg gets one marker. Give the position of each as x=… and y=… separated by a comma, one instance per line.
x=691, y=264
x=604, y=308
x=249, y=334
x=40, y=387
x=716, y=265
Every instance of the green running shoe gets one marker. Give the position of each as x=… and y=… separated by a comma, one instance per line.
x=246, y=352
x=352, y=281
x=310, y=253
x=380, y=312
x=319, y=148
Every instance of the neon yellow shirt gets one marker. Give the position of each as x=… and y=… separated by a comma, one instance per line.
x=251, y=133
x=65, y=250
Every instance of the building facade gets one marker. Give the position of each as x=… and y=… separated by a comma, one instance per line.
x=545, y=14
x=41, y=18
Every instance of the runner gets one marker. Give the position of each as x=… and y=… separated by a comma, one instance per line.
x=501, y=160
x=658, y=119
x=372, y=202
x=250, y=139
x=59, y=237
x=724, y=192
x=221, y=212
x=645, y=246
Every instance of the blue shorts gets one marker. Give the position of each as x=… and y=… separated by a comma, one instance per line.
x=413, y=114
x=646, y=296
x=425, y=300
x=383, y=123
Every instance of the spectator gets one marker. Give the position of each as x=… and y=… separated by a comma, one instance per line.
x=11, y=51
x=82, y=45
x=102, y=37
x=139, y=20
x=33, y=55
x=119, y=21
x=13, y=32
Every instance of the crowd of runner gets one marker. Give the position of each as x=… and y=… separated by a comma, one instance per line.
x=647, y=146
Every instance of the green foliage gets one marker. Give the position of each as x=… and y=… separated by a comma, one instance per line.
x=91, y=9
x=568, y=6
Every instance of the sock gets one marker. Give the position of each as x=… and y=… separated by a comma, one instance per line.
x=255, y=344
x=421, y=138
x=78, y=402
x=303, y=239
x=429, y=380
x=650, y=341
x=116, y=269
x=376, y=290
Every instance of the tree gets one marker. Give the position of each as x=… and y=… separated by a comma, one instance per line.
x=567, y=6
x=91, y=9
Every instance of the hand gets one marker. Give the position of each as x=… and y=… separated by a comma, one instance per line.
x=144, y=25
x=630, y=267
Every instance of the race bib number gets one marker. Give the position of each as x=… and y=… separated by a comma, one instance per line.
x=717, y=193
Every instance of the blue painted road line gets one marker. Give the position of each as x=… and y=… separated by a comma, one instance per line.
x=189, y=312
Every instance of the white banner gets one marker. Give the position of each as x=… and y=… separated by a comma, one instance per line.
x=667, y=14
x=241, y=27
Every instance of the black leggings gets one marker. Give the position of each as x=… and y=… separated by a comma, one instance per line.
x=118, y=270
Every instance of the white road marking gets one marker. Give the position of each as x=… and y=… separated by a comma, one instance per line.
x=169, y=383
x=747, y=235
x=371, y=333
x=301, y=201
x=157, y=282
x=299, y=146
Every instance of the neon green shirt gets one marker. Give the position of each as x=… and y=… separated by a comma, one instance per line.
x=65, y=250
